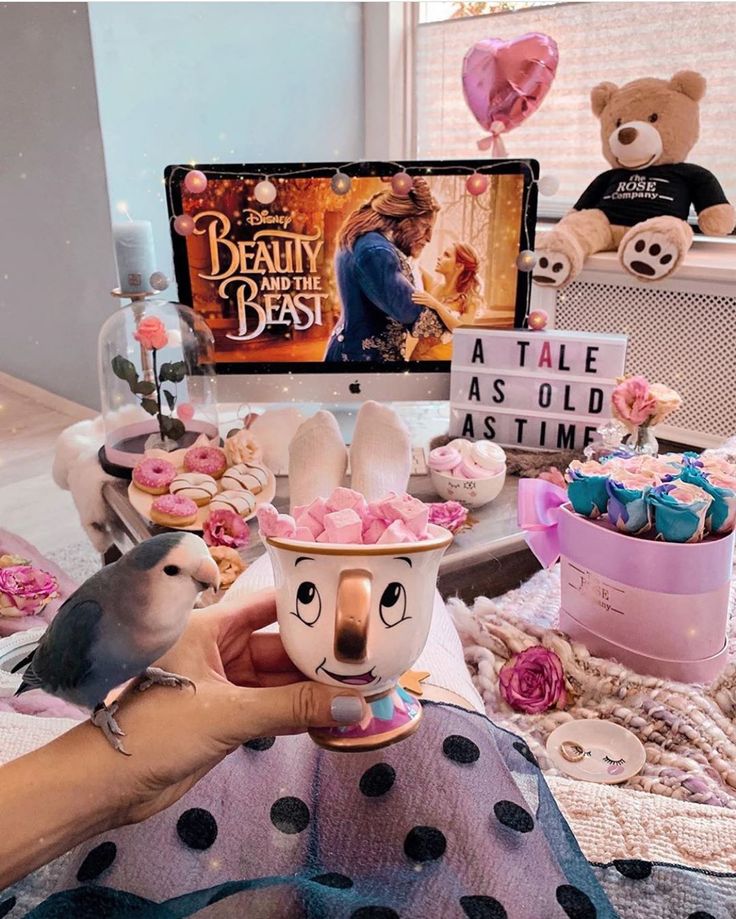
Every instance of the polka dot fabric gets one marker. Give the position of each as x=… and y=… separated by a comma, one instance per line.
x=455, y=821
x=644, y=890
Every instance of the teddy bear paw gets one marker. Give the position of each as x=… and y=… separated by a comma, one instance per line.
x=650, y=255
x=553, y=269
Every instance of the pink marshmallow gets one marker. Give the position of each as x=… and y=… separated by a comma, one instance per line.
x=346, y=499
x=267, y=516
x=316, y=509
x=274, y=524
x=344, y=526
x=305, y=520
x=397, y=532
x=304, y=534
x=387, y=507
x=377, y=508
x=284, y=526
x=375, y=529
x=414, y=513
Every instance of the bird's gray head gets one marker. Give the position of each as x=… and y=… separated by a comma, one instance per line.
x=175, y=560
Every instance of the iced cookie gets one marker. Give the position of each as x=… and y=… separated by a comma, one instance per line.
x=199, y=487
x=247, y=476
x=237, y=499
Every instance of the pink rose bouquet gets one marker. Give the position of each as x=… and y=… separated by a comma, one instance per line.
x=638, y=403
x=25, y=590
x=533, y=681
x=226, y=528
x=448, y=514
x=151, y=333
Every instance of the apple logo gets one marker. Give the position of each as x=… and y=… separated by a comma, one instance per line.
x=354, y=387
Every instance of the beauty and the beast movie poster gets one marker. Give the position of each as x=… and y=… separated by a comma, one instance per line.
x=368, y=275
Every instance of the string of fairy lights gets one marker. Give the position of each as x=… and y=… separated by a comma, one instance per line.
x=265, y=191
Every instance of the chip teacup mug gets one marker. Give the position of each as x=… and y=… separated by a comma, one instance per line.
x=359, y=616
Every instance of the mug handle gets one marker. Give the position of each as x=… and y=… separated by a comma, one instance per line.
x=352, y=615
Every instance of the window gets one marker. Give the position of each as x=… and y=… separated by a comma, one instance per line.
x=597, y=41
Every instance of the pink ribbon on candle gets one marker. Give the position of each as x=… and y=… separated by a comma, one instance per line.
x=537, y=513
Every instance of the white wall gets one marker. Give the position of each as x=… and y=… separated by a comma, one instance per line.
x=56, y=265
x=228, y=82
x=176, y=81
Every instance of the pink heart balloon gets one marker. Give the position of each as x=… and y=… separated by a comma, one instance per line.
x=504, y=82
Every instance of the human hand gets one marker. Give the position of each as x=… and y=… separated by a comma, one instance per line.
x=246, y=687
x=423, y=298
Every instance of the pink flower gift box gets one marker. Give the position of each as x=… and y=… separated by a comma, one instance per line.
x=660, y=608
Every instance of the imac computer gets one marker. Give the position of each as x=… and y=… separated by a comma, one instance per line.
x=332, y=284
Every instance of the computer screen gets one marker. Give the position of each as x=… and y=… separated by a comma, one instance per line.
x=342, y=277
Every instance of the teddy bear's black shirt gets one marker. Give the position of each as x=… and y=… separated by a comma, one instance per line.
x=628, y=196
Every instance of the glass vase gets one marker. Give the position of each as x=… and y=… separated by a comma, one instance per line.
x=157, y=381
x=643, y=441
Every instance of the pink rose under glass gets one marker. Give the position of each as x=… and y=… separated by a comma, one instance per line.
x=157, y=381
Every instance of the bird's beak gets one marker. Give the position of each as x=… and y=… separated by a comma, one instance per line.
x=207, y=574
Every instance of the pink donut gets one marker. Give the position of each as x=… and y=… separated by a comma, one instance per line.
x=154, y=475
x=175, y=505
x=209, y=460
x=173, y=511
x=444, y=459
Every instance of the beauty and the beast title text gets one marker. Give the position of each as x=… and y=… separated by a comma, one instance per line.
x=274, y=276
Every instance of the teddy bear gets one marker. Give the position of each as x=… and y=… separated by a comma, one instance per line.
x=640, y=206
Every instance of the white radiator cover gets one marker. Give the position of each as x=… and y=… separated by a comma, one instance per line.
x=682, y=332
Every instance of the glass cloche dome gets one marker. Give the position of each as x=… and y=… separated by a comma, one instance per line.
x=157, y=381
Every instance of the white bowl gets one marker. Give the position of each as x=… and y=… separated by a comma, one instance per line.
x=470, y=492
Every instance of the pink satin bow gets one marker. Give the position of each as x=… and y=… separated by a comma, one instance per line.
x=537, y=512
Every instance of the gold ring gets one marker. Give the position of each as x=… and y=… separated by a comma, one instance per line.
x=571, y=751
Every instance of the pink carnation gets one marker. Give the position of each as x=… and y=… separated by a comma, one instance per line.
x=225, y=528
x=632, y=402
x=448, y=514
x=533, y=681
x=25, y=590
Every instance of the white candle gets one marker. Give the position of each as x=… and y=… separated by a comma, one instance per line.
x=134, y=255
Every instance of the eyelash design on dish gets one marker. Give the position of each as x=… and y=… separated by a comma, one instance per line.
x=588, y=753
x=614, y=762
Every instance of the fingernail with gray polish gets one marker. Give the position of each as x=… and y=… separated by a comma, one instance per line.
x=346, y=709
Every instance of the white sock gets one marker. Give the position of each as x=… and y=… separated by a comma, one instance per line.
x=380, y=455
x=317, y=459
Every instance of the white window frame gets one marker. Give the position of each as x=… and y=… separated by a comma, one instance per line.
x=389, y=68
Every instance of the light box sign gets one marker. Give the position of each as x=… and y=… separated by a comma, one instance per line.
x=540, y=390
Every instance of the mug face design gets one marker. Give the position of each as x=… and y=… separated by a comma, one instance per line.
x=358, y=620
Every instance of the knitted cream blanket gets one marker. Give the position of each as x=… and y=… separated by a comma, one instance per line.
x=687, y=731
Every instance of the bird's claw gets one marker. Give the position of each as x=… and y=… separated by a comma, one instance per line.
x=155, y=675
x=102, y=717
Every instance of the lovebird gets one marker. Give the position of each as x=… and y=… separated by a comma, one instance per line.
x=121, y=620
